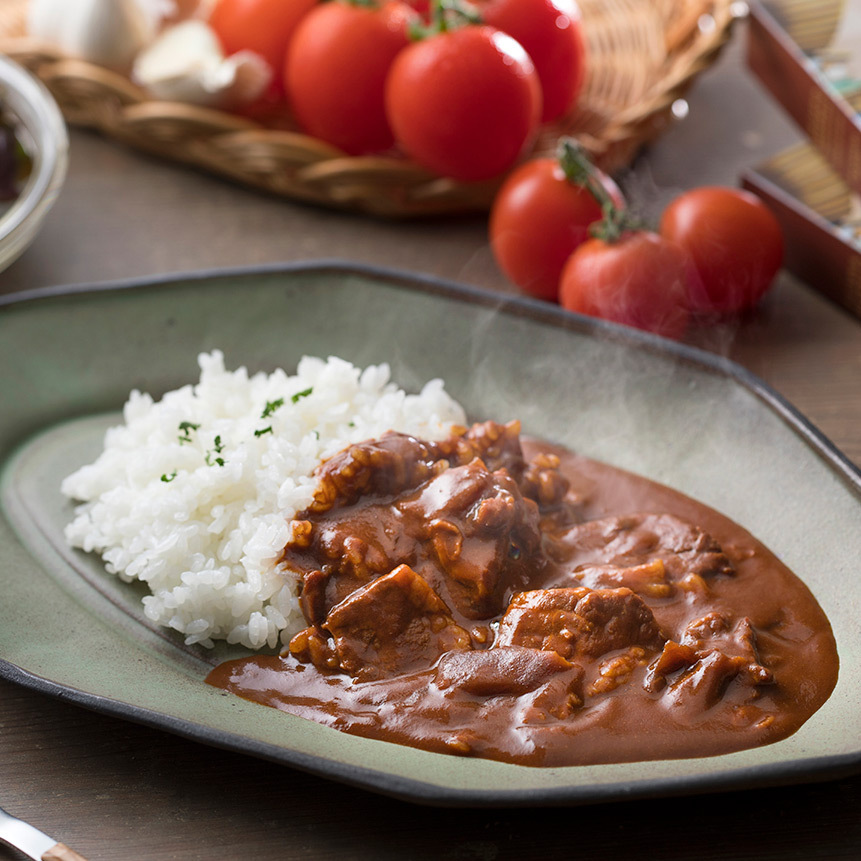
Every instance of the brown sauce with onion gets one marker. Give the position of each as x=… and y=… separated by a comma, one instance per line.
x=598, y=617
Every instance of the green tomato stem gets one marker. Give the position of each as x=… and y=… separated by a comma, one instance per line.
x=579, y=170
x=445, y=15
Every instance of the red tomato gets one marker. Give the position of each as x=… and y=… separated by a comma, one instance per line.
x=734, y=241
x=641, y=280
x=336, y=72
x=421, y=6
x=465, y=102
x=538, y=218
x=262, y=26
x=550, y=32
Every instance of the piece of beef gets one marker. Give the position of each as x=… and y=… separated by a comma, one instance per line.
x=579, y=622
x=481, y=534
x=637, y=539
x=344, y=549
x=546, y=683
x=711, y=653
x=507, y=670
x=648, y=580
x=394, y=625
x=386, y=466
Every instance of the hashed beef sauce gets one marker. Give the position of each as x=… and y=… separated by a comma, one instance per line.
x=505, y=598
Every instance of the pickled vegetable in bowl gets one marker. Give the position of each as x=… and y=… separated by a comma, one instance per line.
x=33, y=155
x=16, y=163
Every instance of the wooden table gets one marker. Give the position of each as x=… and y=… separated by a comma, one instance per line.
x=114, y=790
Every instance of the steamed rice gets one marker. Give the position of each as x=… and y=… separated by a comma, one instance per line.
x=194, y=494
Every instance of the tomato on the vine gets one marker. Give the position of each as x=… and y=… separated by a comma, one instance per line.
x=262, y=26
x=735, y=243
x=551, y=33
x=464, y=102
x=640, y=279
x=336, y=71
x=541, y=214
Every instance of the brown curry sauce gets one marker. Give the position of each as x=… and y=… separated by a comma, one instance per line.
x=515, y=601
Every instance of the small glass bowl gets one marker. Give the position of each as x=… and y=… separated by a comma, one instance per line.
x=43, y=134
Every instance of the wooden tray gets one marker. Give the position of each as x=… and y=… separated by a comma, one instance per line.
x=642, y=56
x=820, y=216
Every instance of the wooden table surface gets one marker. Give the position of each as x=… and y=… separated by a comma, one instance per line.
x=115, y=790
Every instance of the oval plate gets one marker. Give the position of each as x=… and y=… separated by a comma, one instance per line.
x=674, y=414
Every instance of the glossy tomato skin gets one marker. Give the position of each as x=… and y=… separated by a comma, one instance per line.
x=421, y=6
x=464, y=103
x=336, y=71
x=552, y=35
x=262, y=26
x=735, y=243
x=538, y=218
x=641, y=280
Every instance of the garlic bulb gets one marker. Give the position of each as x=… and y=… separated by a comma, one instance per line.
x=106, y=32
x=187, y=64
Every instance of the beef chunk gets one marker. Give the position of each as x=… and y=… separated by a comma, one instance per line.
x=637, y=539
x=544, y=619
x=511, y=670
x=545, y=684
x=579, y=622
x=379, y=467
x=716, y=631
x=558, y=698
x=482, y=535
x=344, y=550
x=617, y=619
x=702, y=685
x=648, y=579
x=712, y=653
x=395, y=624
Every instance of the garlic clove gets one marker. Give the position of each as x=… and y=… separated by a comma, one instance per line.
x=187, y=48
x=105, y=32
x=186, y=64
x=239, y=79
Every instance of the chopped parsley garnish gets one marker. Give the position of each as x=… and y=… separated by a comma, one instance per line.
x=185, y=429
x=217, y=449
x=271, y=406
x=299, y=395
x=168, y=478
x=263, y=431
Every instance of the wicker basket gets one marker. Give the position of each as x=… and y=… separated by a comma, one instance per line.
x=643, y=55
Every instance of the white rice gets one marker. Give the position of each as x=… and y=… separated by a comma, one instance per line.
x=206, y=536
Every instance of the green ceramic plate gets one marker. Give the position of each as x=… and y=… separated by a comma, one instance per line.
x=676, y=415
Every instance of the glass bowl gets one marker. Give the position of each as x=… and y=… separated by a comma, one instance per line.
x=42, y=132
